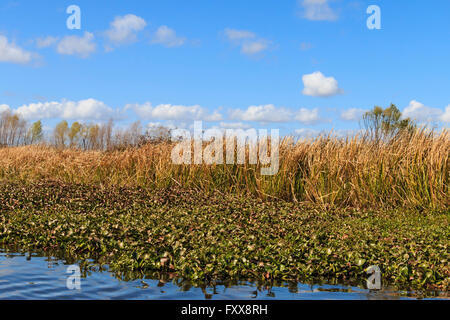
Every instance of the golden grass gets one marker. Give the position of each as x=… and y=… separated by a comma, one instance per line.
x=410, y=171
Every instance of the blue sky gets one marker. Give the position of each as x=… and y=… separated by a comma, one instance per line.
x=307, y=65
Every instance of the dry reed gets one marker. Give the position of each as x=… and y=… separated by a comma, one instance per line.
x=409, y=171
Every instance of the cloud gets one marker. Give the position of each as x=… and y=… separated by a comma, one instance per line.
x=307, y=116
x=79, y=46
x=307, y=133
x=262, y=113
x=89, y=109
x=353, y=114
x=4, y=107
x=10, y=52
x=270, y=113
x=153, y=125
x=124, y=29
x=421, y=113
x=415, y=110
x=46, y=42
x=167, y=37
x=254, y=47
x=247, y=40
x=317, y=10
x=445, y=117
x=173, y=112
x=317, y=85
x=233, y=34
x=234, y=125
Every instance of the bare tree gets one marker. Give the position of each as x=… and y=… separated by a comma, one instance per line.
x=159, y=134
x=12, y=129
x=74, y=134
x=93, y=136
x=109, y=133
x=35, y=134
x=60, y=134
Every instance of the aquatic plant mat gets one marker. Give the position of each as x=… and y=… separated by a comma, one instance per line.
x=202, y=237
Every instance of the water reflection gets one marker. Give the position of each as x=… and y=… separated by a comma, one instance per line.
x=31, y=276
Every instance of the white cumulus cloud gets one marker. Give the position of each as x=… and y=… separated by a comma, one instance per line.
x=10, y=52
x=173, y=112
x=4, y=107
x=353, y=114
x=317, y=85
x=419, y=112
x=271, y=113
x=307, y=116
x=124, y=29
x=79, y=46
x=234, y=125
x=89, y=109
x=445, y=117
x=167, y=37
x=307, y=133
x=262, y=113
x=317, y=10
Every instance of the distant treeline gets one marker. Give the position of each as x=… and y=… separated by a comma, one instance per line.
x=15, y=131
x=378, y=124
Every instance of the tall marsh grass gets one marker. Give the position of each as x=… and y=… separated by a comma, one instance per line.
x=409, y=171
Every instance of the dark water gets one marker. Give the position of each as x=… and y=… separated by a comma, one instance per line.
x=36, y=277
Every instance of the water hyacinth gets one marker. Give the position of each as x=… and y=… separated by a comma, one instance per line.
x=204, y=237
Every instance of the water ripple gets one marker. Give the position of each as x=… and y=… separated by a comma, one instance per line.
x=34, y=277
